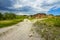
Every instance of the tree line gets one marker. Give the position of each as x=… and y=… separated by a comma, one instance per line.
x=10, y=16
x=7, y=16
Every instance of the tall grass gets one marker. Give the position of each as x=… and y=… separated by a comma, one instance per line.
x=6, y=23
x=49, y=29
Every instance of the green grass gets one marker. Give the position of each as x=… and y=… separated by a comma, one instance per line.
x=31, y=18
x=6, y=23
x=49, y=29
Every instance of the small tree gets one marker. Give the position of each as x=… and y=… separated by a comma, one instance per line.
x=1, y=16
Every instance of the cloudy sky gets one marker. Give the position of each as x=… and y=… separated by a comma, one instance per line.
x=30, y=6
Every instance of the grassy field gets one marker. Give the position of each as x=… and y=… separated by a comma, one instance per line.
x=49, y=29
x=6, y=23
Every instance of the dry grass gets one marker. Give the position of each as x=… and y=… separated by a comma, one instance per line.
x=49, y=28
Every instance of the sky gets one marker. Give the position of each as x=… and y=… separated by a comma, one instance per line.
x=28, y=7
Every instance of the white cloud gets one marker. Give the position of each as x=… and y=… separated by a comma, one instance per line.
x=37, y=4
x=52, y=1
x=17, y=6
x=56, y=7
x=22, y=13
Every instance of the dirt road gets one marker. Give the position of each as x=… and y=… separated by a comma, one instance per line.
x=20, y=31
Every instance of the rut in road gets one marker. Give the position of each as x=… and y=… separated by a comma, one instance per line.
x=21, y=31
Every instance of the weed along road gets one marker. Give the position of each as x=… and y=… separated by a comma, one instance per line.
x=20, y=31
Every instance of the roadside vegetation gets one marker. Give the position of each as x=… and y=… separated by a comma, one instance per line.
x=6, y=23
x=7, y=19
x=49, y=29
